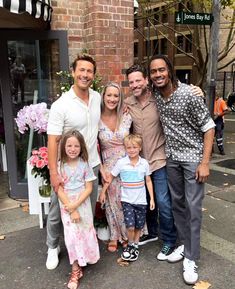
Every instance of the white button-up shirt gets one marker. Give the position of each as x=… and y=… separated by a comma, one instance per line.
x=71, y=112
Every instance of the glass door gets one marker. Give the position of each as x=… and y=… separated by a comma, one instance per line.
x=30, y=77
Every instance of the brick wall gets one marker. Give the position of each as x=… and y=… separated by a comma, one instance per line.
x=103, y=27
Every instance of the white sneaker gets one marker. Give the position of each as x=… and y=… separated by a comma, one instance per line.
x=164, y=253
x=190, y=274
x=52, y=258
x=176, y=255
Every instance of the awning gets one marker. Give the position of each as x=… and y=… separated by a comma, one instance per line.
x=36, y=8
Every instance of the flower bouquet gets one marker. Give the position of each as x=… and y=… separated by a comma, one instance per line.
x=34, y=116
x=39, y=162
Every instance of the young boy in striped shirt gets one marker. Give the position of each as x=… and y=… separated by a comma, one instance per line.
x=134, y=173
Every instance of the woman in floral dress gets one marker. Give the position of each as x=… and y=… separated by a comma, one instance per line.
x=113, y=127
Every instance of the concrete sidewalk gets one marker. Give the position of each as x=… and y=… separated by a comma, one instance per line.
x=23, y=256
x=23, y=252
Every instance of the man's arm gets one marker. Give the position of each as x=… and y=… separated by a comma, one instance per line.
x=149, y=185
x=202, y=171
x=53, y=147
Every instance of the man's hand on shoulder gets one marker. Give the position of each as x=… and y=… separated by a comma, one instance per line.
x=196, y=90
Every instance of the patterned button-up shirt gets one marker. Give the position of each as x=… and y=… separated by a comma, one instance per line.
x=184, y=117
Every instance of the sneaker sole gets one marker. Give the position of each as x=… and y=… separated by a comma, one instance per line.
x=190, y=283
x=175, y=261
x=133, y=259
x=161, y=259
x=147, y=241
x=52, y=267
x=125, y=259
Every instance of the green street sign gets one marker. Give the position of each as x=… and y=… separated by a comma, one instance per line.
x=182, y=17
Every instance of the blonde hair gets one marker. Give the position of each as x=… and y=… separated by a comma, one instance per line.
x=133, y=138
x=120, y=103
x=73, y=133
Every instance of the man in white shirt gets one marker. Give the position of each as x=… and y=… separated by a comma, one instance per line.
x=79, y=108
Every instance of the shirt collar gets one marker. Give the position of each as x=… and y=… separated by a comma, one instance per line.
x=133, y=100
x=170, y=97
x=73, y=94
x=129, y=162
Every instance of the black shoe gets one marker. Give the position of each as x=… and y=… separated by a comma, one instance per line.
x=126, y=253
x=134, y=254
x=146, y=239
x=222, y=153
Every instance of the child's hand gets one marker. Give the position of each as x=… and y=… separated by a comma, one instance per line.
x=152, y=205
x=103, y=175
x=102, y=197
x=70, y=207
x=75, y=217
x=107, y=178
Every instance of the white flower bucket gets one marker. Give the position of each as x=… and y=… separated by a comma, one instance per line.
x=4, y=158
x=103, y=233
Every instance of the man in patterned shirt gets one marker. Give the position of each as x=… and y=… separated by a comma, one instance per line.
x=189, y=132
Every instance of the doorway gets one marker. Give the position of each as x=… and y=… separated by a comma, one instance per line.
x=29, y=62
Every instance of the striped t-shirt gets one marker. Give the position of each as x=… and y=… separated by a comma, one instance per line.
x=132, y=180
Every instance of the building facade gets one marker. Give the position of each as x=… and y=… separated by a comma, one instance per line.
x=41, y=38
x=158, y=31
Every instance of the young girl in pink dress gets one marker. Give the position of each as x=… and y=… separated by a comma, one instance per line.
x=76, y=212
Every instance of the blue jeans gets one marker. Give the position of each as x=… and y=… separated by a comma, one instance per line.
x=163, y=210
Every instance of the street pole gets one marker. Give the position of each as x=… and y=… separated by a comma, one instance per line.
x=233, y=77
x=213, y=56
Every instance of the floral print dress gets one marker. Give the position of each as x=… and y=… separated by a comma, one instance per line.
x=80, y=238
x=112, y=149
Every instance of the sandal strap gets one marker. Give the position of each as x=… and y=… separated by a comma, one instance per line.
x=76, y=275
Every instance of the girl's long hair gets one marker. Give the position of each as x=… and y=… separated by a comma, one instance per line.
x=120, y=103
x=75, y=133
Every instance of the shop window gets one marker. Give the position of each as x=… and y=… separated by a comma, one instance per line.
x=184, y=43
x=180, y=44
x=188, y=43
x=147, y=48
x=156, y=14
x=135, y=49
x=155, y=46
x=135, y=23
x=163, y=46
x=164, y=17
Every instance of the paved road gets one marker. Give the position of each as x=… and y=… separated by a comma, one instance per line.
x=23, y=252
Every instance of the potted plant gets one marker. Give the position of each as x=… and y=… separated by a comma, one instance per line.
x=34, y=118
x=100, y=222
x=39, y=163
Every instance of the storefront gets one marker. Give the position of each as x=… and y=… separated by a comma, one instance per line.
x=31, y=54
